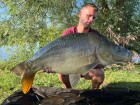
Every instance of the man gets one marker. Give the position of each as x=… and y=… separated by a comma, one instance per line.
x=87, y=16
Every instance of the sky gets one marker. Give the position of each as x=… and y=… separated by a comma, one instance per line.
x=4, y=53
x=3, y=12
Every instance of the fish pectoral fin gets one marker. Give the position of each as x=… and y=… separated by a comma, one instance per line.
x=84, y=70
x=27, y=81
x=74, y=79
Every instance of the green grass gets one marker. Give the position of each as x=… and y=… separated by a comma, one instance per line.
x=113, y=78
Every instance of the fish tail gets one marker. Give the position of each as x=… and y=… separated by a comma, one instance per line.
x=19, y=69
x=27, y=81
x=27, y=77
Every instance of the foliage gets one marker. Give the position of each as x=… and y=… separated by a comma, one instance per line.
x=119, y=18
x=29, y=19
x=121, y=15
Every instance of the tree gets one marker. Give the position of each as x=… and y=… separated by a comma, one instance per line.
x=29, y=18
x=119, y=18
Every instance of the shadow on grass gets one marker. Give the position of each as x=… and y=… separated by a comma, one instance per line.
x=126, y=85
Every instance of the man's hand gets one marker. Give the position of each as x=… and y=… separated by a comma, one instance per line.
x=49, y=70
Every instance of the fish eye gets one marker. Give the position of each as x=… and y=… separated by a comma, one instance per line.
x=119, y=48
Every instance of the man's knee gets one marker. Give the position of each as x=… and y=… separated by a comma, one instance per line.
x=98, y=74
x=95, y=73
x=65, y=80
x=97, y=77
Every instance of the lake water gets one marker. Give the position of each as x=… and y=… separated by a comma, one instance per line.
x=5, y=51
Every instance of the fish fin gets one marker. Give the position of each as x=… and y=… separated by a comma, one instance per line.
x=19, y=69
x=74, y=79
x=27, y=81
x=84, y=70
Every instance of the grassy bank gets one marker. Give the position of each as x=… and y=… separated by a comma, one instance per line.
x=114, y=78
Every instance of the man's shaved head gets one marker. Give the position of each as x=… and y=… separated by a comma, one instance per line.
x=90, y=5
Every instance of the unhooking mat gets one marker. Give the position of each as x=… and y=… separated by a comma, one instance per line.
x=60, y=96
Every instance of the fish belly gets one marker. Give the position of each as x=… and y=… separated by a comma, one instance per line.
x=69, y=62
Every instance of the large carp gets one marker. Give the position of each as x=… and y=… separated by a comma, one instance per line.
x=73, y=54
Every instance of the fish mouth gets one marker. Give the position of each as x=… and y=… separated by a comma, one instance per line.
x=122, y=63
x=128, y=58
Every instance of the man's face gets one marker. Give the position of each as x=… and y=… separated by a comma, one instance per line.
x=87, y=16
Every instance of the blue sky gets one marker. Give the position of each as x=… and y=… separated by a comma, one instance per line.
x=3, y=12
x=4, y=52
